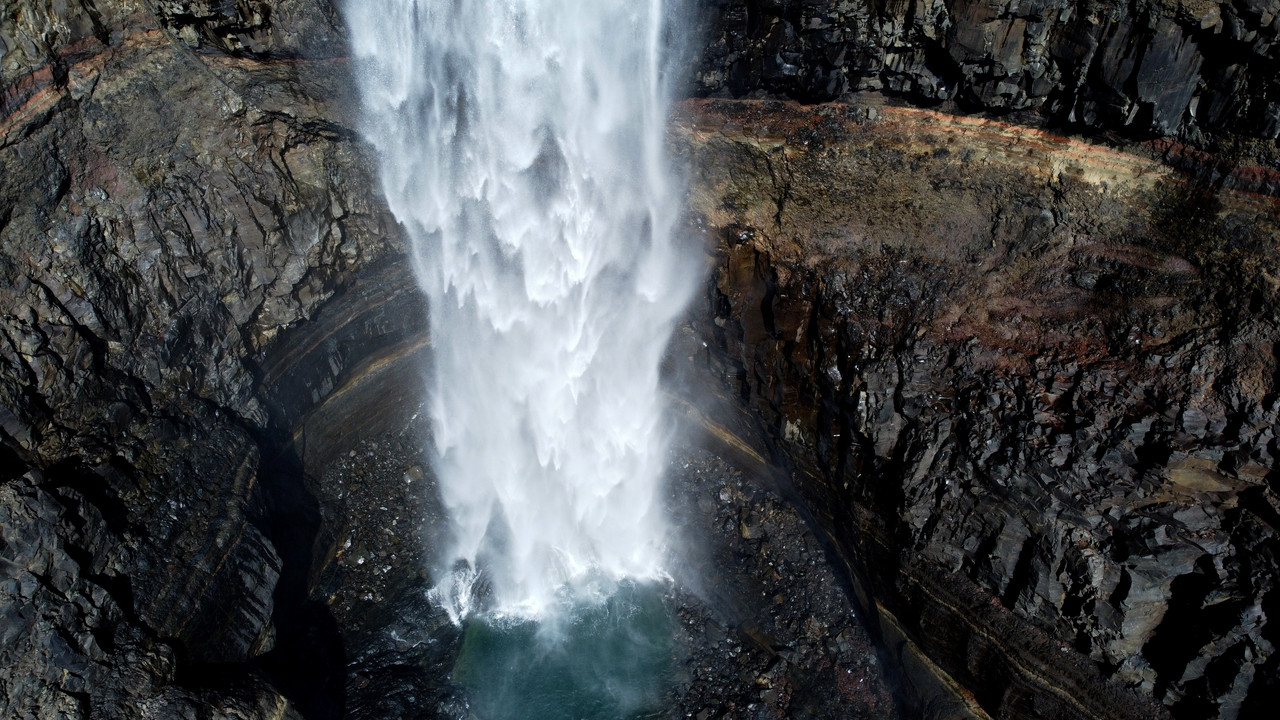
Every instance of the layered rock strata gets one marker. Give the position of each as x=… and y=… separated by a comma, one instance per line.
x=1030, y=387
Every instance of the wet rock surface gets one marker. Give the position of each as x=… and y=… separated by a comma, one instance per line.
x=767, y=629
x=382, y=522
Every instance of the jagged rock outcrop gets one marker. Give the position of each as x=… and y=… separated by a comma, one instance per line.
x=1030, y=385
x=1194, y=68
x=179, y=184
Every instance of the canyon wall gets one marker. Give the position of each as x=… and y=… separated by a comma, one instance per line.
x=1203, y=70
x=179, y=183
x=1026, y=379
x=1029, y=387
x=1027, y=384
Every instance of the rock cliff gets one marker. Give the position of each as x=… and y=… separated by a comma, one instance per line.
x=1194, y=68
x=1029, y=385
x=178, y=184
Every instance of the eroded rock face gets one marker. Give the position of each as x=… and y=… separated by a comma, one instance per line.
x=176, y=189
x=1162, y=67
x=1031, y=388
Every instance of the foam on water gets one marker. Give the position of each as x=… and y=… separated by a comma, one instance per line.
x=521, y=145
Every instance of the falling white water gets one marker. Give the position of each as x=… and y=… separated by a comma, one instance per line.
x=521, y=146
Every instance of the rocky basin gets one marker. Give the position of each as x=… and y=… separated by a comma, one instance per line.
x=1003, y=392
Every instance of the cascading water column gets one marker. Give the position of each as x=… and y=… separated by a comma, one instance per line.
x=521, y=146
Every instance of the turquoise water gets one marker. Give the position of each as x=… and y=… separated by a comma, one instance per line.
x=604, y=660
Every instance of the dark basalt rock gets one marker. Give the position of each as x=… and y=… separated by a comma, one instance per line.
x=177, y=189
x=1035, y=409
x=1169, y=68
x=761, y=608
x=1026, y=384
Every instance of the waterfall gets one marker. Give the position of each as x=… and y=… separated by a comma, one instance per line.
x=521, y=146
